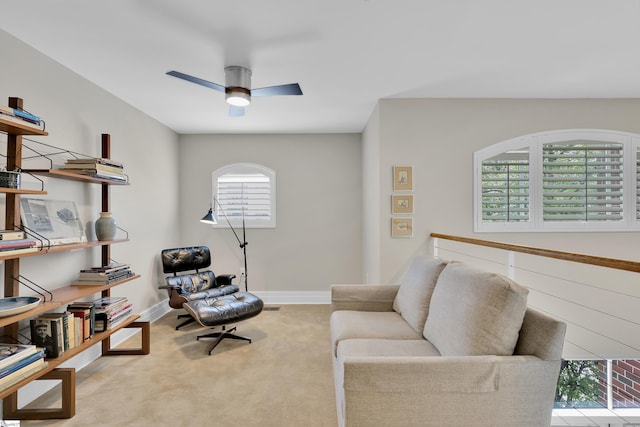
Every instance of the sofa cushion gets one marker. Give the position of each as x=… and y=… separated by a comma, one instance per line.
x=414, y=295
x=474, y=312
x=347, y=324
x=386, y=348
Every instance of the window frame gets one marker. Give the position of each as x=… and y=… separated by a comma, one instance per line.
x=534, y=143
x=236, y=222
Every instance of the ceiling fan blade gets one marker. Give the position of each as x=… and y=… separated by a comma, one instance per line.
x=290, y=89
x=235, y=111
x=196, y=80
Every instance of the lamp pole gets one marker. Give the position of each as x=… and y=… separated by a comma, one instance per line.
x=243, y=243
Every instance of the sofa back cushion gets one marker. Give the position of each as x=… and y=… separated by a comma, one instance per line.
x=474, y=312
x=413, y=297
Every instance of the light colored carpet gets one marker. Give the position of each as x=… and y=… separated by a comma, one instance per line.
x=283, y=378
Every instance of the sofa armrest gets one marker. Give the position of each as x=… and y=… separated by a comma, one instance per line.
x=363, y=297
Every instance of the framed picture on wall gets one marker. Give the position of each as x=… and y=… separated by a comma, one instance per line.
x=401, y=204
x=402, y=178
x=401, y=227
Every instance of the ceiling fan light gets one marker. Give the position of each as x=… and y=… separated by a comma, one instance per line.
x=238, y=98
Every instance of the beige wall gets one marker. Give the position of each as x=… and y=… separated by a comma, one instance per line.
x=438, y=137
x=77, y=112
x=318, y=236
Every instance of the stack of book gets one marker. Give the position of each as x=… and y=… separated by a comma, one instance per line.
x=21, y=117
x=85, y=314
x=104, y=275
x=96, y=167
x=17, y=242
x=55, y=332
x=18, y=361
x=110, y=311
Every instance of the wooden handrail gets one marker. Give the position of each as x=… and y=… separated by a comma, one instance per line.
x=618, y=264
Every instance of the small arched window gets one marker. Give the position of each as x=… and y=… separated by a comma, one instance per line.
x=565, y=180
x=245, y=190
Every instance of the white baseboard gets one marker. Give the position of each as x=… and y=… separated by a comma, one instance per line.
x=35, y=389
x=302, y=297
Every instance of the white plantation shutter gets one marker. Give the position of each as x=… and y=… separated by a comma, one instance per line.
x=247, y=189
x=582, y=181
x=505, y=188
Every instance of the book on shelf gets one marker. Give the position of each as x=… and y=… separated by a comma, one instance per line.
x=105, y=322
x=109, y=304
x=11, y=353
x=110, y=268
x=99, y=174
x=23, y=373
x=85, y=311
x=17, y=244
x=21, y=363
x=78, y=324
x=95, y=160
x=92, y=168
x=21, y=114
x=98, y=278
x=18, y=251
x=64, y=317
x=110, y=311
x=12, y=235
x=47, y=333
x=21, y=117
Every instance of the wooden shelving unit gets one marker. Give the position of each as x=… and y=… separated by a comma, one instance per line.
x=61, y=296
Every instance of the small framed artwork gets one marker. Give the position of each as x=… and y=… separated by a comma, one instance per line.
x=402, y=178
x=401, y=227
x=402, y=204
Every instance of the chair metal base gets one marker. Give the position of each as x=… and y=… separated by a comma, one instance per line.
x=219, y=336
x=190, y=319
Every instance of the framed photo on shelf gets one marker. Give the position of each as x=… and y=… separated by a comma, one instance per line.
x=401, y=204
x=55, y=221
x=401, y=227
x=402, y=178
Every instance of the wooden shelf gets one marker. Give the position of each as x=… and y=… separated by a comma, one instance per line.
x=72, y=293
x=16, y=128
x=62, y=296
x=54, y=363
x=41, y=308
x=62, y=174
x=21, y=191
x=4, y=255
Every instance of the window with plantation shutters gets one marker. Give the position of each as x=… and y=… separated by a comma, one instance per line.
x=567, y=180
x=245, y=190
x=582, y=181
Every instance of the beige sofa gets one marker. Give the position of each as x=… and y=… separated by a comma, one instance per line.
x=450, y=346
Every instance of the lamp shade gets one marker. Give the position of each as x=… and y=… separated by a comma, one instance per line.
x=209, y=218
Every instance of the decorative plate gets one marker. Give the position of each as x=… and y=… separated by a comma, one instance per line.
x=15, y=305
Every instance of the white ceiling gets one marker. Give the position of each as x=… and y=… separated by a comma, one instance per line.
x=345, y=54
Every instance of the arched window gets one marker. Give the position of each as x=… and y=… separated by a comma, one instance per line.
x=565, y=180
x=245, y=189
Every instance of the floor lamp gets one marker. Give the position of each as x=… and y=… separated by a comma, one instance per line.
x=210, y=218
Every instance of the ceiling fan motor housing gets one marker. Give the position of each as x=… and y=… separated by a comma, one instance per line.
x=237, y=85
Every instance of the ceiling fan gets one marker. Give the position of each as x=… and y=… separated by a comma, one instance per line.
x=237, y=88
